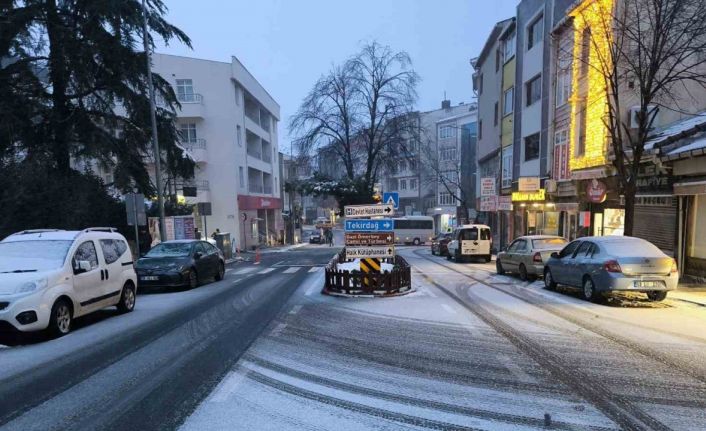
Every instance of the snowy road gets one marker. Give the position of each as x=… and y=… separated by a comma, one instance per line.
x=468, y=350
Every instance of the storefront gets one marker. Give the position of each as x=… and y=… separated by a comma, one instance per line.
x=532, y=215
x=258, y=218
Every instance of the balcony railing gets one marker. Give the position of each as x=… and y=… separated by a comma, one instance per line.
x=267, y=157
x=255, y=154
x=255, y=188
x=267, y=190
x=193, y=144
x=199, y=184
x=190, y=98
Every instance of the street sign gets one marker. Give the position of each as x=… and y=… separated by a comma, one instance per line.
x=359, y=211
x=369, y=252
x=204, y=208
x=369, y=238
x=382, y=225
x=135, y=209
x=391, y=198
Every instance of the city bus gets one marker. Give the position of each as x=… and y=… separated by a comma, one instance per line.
x=413, y=229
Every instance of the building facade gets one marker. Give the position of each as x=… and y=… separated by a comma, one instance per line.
x=228, y=125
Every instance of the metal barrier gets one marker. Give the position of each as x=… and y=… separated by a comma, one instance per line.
x=394, y=282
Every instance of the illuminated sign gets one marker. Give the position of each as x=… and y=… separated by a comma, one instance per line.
x=528, y=196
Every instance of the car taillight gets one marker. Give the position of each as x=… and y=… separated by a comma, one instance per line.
x=612, y=266
x=537, y=258
x=675, y=269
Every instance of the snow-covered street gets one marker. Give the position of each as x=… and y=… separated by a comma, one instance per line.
x=467, y=350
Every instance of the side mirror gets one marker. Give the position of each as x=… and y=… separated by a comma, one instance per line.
x=82, y=266
x=197, y=255
x=555, y=255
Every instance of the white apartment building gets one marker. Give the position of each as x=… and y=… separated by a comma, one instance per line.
x=228, y=125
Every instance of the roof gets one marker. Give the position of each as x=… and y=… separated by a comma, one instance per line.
x=612, y=238
x=181, y=241
x=56, y=235
x=698, y=144
x=678, y=130
x=541, y=237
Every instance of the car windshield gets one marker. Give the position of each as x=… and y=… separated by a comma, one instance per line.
x=177, y=249
x=28, y=256
x=549, y=243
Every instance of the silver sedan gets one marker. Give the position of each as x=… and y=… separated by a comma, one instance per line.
x=527, y=254
x=598, y=265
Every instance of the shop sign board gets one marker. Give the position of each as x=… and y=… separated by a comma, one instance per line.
x=596, y=191
x=504, y=203
x=538, y=196
x=489, y=203
x=487, y=187
x=528, y=184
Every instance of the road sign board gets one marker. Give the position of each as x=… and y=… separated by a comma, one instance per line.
x=382, y=225
x=369, y=238
x=353, y=211
x=391, y=198
x=364, y=252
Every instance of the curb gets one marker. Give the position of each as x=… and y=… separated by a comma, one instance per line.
x=325, y=291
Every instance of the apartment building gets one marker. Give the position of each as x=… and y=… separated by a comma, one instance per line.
x=229, y=126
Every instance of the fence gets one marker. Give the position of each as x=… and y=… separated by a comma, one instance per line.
x=397, y=281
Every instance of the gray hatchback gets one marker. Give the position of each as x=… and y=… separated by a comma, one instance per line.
x=527, y=254
x=599, y=265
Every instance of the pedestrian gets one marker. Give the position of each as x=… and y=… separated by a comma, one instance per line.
x=215, y=233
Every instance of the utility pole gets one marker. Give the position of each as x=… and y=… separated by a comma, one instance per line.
x=153, y=115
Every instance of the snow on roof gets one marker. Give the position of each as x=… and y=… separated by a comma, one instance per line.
x=684, y=127
x=695, y=145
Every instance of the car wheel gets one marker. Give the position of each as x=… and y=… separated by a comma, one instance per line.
x=523, y=272
x=432, y=252
x=457, y=255
x=221, y=272
x=127, y=299
x=193, y=278
x=448, y=255
x=499, y=267
x=488, y=258
x=549, y=282
x=60, y=319
x=589, y=290
x=657, y=296
x=416, y=241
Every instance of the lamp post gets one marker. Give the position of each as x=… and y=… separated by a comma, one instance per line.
x=153, y=116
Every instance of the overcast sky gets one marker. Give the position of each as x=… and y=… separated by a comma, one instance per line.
x=288, y=44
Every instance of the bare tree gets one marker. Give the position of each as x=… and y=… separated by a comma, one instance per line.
x=645, y=53
x=358, y=109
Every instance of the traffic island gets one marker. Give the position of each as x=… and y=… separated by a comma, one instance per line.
x=367, y=277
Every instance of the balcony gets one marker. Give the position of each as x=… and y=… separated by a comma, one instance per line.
x=191, y=106
x=256, y=188
x=202, y=185
x=197, y=149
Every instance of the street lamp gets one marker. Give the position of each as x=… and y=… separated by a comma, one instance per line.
x=153, y=116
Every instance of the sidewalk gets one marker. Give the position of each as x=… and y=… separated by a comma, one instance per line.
x=694, y=294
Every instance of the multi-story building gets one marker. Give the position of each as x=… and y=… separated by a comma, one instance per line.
x=228, y=124
x=488, y=86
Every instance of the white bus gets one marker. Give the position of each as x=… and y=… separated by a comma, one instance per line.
x=413, y=229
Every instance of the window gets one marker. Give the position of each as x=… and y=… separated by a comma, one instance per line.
x=412, y=165
x=495, y=114
x=413, y=184
x=513, y=247
x=403, y=166
x=535, y=32
x=569, y=249
x=507, y=167
x=403, y=224
x=199, y=248
x=534, y=90
x=585, y=50
x=239, y=136
x=581, y=132
x=485, y=234
x=468, y=234
x=185, y=90
x=210, y=248
x=241, y=176
x=237, y=95
x=480, y=129
x=583, y=250
x=112, y=249
x=532, y=147
x=446, y=199
x=446, y=132
x=86, y=252
x=563, y=86
x=187, y=133
x=447, y=154
x=509, y=47
x=449, y=177
x=403, y=184
x=508, y=101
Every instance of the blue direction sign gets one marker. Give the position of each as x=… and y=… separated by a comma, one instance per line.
x=382, y=225
x=391, y=198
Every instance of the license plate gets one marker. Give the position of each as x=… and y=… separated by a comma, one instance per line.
x=647, y=284
x=149, y=278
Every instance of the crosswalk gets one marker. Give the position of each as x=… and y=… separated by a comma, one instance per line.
x=251, y=270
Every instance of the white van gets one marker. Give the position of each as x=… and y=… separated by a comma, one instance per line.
x=49, y=277
x=470, y=240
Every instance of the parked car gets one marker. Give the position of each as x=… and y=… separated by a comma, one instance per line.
x=599, y=265
x=472, y=240
x=439, y=245
x=315, y=238
x=180, y=263
x=48, y=277
x=322, y=222
x=526, y=255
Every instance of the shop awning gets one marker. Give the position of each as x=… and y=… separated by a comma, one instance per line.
x=690, y=188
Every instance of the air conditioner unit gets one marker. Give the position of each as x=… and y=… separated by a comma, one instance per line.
x=635, y=110
x=550, y=186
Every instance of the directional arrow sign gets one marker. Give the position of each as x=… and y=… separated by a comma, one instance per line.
x=364, y=211
x=369, y=238
x=382, y=225
x=363, y=252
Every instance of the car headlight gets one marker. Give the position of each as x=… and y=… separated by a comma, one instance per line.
x=33, y=285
